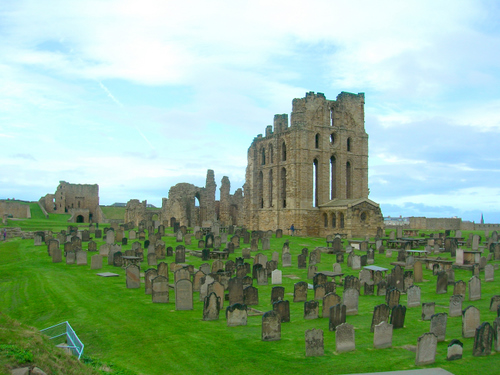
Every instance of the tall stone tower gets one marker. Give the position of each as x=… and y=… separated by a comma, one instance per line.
x=313, y=173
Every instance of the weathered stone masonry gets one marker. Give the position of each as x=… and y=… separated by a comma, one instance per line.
x=313, y=173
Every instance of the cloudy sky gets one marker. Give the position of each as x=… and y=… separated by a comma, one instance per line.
x=137, y=96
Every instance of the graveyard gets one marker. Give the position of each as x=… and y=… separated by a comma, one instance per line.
x=341, y=306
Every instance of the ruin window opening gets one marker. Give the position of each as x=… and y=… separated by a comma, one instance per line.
x=283, y=152
x=332, y=117
x=334, y=220
x=332, y=139
x=341, y=220
x=325, y=219
x=78, y=204
x=261, y=190
x=263, y=156
x=271, y=188
x=349, y=145
x=316, y=141
x=348, y=181
x=315, y=183
x=363, y=216
x=333, y=178
x=197, y=200
x=283, y=187
x=271, y=154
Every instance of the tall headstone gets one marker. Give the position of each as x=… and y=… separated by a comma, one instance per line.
x=455, y=308
x=426, y=349
x=398, y=314
x=183, y=295
x=474, y=288
x=380, y=314
x=337, y=316
x=438, y=325
x=382, y=337
x=344, y=338
x=471, y=319
x=350, y=299
x=483, y=340
x=211, y=307
x=271, y=326
x=160, y=290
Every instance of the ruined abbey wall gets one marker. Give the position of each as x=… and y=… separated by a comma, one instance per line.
x=298, y=168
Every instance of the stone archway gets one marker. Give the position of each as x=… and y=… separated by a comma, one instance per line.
x=80, y=219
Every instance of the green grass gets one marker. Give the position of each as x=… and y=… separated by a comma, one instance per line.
x=113, y=213
x=123, y=328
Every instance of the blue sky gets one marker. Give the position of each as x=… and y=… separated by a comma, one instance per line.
x=137, y=96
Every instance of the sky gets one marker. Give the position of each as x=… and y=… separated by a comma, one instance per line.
x=137, y=96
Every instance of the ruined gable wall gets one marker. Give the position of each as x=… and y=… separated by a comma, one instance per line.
x=78, y=196
x=279, y=176
x=135, y=211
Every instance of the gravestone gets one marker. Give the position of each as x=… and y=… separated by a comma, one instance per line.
x=381, y=288
x=428, y=310
x=286, y=260
x=460, y=288
x=160, y=290
x=350, y=299
x=496, y=329
x=149, y=275
x=81, y=257
x=133, y=276
x=96, y=262
x=250, y=295
x=302, y=263
x=300, y=292
x=489, y=273
x=455, y=349
x=276, y=277
x=271, y=326
x=283, y=309
x=92, y=246
x=382, y=337
x=413, y=296
x=329, y=300
x=494, y=303
x=104, y=250
x=483, y=340
x=356, y=262
x=180, y=254
x=183, y=295
x=438, y=325
x=211, y=307
x=314, y=343
x=312, y=269
x=471, y=319
x=426, y=349
x=337, y=316
x=474, y=288
x=236, y=315
x=235, y=289
x=344, y=338
x=277, y=294
x=442, y=283
x=152, y=259
x=311, y=310
x=398, y=314
x=380, y=314
x=455, y=308
x=392, y=297
x=71, y=258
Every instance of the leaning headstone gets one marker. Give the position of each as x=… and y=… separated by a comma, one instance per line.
x=489, y=273
x=392, y=297
x=483, y=340
x=426, y=349
x=211, y=307
x=160, y=290
x=236, y=315
x=474, y=288
x=337, y=316
x=271, y=326
x=471, y=319
x=438, y=325
x=382, y=337
x=329, y=300
x=455, y=349
x=183, y=295
x=380, y=314
x=314, y=343
x=344, y=338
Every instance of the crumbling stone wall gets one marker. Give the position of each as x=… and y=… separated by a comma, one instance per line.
x=81, y=200
x=14, y=209
x=191, y=205
x=294, y=171
x=135, y=211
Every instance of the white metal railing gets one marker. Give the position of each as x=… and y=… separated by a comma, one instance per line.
x=65, y=335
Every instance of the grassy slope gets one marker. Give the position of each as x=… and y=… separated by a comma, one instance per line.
x=115, y=213
x=123, y=326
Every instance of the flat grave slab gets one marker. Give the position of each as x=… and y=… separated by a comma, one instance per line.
x=108, y=274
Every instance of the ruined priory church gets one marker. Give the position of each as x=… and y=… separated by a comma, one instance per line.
x=309, y=170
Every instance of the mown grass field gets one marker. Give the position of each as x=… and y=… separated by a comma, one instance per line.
x=123, y=327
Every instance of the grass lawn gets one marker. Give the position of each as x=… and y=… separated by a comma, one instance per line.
x=123, y=328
